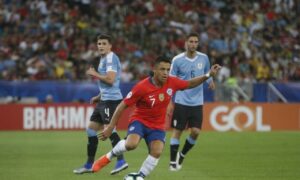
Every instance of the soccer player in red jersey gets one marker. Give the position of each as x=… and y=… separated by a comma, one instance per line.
x=151, y=97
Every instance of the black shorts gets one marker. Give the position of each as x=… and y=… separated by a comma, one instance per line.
x=187, y=116
x=104, y=111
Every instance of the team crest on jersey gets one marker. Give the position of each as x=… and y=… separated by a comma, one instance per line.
x=169, y=91
x=200, y=65
x=101, y=64
x=109, y=68
x=161, y=96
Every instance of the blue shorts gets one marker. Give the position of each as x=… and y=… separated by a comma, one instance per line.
x=148, y=134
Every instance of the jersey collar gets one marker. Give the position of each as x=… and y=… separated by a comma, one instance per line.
x=189, y=59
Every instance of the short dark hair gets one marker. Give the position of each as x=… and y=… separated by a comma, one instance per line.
x=192, y=34
x=162, y=58
x=104, y=36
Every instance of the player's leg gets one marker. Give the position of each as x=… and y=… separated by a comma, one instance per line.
x=107, y=111
x=129, y=144
x=134, y=134
x=174, y=147
x=94, y=126
x=121, y=163
x=178, y=124
x=195, y=124
x=188, y=145
x=133, y=138
x=155, y=140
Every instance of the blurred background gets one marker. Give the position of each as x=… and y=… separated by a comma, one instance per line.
x=47, y=45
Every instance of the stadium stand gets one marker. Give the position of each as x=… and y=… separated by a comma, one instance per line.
x=255, y=41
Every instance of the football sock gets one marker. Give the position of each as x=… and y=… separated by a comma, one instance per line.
x=189, y=143
x=174, y=145
x=91, y=148
x=117, y=150
x=142, y=174
x=92, y=144
x=148, y=165
x=115, y=138
x=181, y=158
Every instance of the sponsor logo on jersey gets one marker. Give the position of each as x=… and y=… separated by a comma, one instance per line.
x=169, y=91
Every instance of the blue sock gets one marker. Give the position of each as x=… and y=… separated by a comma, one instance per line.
x=174, y=141
x=191, y=140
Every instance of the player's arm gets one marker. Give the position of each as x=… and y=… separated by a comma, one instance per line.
x=212, y=85
x=132, y=97
x=109, y=78
x=210, y=81
x=170, y=109
x=114, y=121
x=200, y=79
x=95, y=99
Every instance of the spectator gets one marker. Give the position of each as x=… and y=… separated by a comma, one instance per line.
x=241, y=31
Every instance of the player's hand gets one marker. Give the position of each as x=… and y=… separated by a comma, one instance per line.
x=94, y=99
x=105, y=133
x=91, y=71
x=214, y=69
x=212, y=85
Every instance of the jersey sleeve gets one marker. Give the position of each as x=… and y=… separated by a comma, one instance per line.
x=179, y=84
x=134, y=95
x=112, y=63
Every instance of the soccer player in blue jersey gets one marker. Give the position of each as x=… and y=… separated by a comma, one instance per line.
x=109, y=71
x=188, y=103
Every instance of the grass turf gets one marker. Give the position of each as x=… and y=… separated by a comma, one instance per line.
x=249, y=155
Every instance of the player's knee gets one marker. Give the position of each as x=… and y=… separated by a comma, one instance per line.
x=91, y=132
x=176, y=134
x=195, y=132
x=156, y=153
x=130, y=145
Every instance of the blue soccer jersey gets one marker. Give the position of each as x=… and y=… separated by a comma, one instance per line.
x=186, y=68
x=110, y=62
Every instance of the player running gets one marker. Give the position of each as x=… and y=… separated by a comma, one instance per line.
x=151, y=97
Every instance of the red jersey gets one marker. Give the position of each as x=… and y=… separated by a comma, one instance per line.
x=151, y=101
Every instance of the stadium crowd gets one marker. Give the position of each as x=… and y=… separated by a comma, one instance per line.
x=255, y=40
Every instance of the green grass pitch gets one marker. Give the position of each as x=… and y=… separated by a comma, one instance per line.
x=53, y=155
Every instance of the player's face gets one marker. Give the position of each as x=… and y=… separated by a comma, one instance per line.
x=192, y=43
x=161, y=72
x=104, y=47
